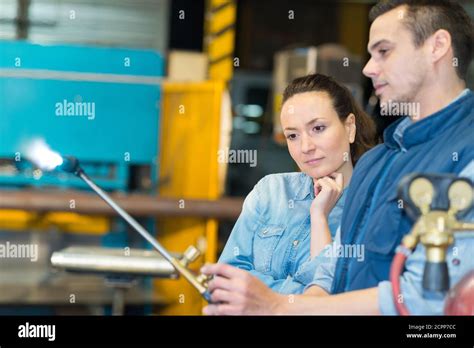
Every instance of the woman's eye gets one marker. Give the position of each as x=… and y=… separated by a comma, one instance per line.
x=319, y=128
x=382, y=52
x=291, y=136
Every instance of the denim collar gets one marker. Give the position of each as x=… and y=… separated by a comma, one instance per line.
x=304, y=187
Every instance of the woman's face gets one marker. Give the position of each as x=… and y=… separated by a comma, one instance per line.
x=318, y=141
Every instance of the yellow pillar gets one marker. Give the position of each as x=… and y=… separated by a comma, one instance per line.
x=219, y=40
x=189, y=169
x=354, y=27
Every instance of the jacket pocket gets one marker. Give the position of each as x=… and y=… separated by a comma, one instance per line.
x=264, y=245
x=382, y=233
x=382, y=237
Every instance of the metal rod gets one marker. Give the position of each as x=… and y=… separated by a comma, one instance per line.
x=145, y=234
x=131, y=221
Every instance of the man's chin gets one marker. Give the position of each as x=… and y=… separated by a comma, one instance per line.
x=383, y=99
x=388, y=97
x=393, y=99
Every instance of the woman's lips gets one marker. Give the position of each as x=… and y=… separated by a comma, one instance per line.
x=314, y=161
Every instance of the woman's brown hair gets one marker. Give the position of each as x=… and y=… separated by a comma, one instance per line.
x=344, y=104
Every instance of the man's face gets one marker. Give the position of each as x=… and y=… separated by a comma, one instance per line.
x=397, y=68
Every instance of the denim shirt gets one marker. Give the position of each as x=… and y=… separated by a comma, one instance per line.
x=271, y=238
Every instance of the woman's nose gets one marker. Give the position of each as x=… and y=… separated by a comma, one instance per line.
x=307, y=144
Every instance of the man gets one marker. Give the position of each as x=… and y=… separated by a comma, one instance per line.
x=420, y=53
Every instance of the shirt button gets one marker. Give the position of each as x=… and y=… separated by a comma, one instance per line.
x=265, y=231
x=295, y=243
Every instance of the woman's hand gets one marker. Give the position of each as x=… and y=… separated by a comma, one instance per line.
x=327, y=191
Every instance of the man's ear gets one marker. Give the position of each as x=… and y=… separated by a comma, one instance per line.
x=439, y=44
x=350, y=126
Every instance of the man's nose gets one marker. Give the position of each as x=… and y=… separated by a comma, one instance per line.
x=307, y=144
x=370, y=70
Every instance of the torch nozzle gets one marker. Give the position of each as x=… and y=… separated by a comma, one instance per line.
x=70, y=165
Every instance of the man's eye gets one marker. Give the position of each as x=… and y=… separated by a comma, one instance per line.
x=319, y=129
x=291, y=136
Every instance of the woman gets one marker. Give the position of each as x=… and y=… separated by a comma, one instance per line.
x=326, y=133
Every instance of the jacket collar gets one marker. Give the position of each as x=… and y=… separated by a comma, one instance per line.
x=431, y=126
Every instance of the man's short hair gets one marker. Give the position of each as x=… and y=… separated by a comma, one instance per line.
x=424, y=17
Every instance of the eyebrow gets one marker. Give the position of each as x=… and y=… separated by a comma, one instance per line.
x=307, y=123
x=378, y=43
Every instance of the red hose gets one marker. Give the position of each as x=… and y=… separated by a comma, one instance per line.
x=396, y=270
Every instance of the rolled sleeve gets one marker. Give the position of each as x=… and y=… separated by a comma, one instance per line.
x=307, y=270
x=325, y=264
x=411, y=289
x=386, y=304
x=288, y=286
x=412, y=293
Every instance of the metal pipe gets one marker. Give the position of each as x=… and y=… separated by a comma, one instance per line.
x=46, y=200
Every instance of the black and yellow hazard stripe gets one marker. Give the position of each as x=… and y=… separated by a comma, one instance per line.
x=220, y=38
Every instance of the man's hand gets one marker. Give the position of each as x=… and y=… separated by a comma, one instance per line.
x=237, y=292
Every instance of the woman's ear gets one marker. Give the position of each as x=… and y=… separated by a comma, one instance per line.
x=350, y=125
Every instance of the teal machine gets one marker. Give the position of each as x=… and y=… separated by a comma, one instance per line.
x=100, y=104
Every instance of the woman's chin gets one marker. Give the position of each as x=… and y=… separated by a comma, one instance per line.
x=317, y=172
